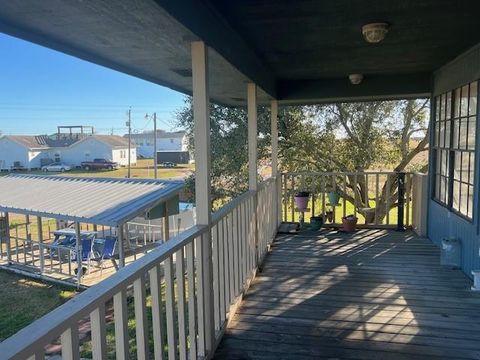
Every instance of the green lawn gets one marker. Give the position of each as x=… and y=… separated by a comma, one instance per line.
x=24, y=300
x=143, y=169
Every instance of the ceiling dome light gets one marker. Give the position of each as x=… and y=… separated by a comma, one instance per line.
x=374, y=32
x=355, y=79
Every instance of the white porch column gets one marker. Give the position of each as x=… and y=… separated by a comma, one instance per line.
x=274, y=121
x=201, y=115
x=78, y=249
x=252, y=136
x=252, y=163
x=278, y=182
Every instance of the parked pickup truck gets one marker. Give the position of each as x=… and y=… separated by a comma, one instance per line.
x=99, y=164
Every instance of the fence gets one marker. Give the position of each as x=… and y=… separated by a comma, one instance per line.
x=189, y=310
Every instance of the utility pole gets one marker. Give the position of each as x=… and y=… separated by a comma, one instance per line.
x=129, y=124
x=155, y=165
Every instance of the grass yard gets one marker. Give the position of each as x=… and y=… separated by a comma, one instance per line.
x=143, y=169
x=24, y=300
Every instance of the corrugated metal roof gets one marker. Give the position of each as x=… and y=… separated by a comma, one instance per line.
x=102, y=201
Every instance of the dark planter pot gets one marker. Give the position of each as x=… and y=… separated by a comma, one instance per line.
x=316, y=223
x=349, y=223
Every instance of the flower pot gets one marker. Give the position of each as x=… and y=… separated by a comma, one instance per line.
x=301, y=200
x=333, y=198
x=369, y=214
x=316, y=223
x=349, y=223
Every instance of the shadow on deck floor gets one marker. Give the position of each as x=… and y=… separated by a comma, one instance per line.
x=376, y=294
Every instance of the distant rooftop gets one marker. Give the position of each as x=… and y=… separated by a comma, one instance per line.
x=46, y=142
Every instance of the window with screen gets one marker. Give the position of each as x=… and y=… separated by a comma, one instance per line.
x=454, y=148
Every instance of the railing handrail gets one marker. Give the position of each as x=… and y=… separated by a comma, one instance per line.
x=34, y=336
x=330, y=173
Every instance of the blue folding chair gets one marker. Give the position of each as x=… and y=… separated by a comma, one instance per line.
x=108, y=251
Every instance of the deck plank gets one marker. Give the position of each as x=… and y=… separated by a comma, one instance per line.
x=376, y=294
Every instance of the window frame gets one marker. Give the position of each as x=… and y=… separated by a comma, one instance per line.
x=448, y=115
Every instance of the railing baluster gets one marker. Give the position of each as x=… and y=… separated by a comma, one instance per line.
x=324, y=203
x=344, y=195
x=230, y=258
x=121, y=325
x=192, y=327
x=408, y=186
x=387, y=203
x=200, y=296
x=98, y=333
x=69, y=340
x=216, y=286
x=141, y=329
x=355, y=185
x=236, y=280
x=170, y=308
x=221, y=270
x=292, y=195
x=157, y=312
x=377, y=199
x=180, y=275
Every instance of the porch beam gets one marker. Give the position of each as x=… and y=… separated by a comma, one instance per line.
x=373, y=87
x=210, y=26
x=201, y=116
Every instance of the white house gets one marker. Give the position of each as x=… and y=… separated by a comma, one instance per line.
x=173, y=143
x=31, y=152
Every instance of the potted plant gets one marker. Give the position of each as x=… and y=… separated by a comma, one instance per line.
x=316, y=223
x=301, y=200
x=349, y=223
x=333, y=198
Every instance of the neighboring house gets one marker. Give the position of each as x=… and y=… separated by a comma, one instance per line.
x=32, y=152
x=171, y=146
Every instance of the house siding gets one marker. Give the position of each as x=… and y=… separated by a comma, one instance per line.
x=10, y=152
x=442, y=222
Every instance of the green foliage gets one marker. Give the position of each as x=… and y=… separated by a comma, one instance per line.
x=229, y=132
x=336, y=137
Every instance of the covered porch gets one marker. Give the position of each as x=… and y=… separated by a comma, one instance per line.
x=179, y=300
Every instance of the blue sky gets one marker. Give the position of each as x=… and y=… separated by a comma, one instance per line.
x=41, y=88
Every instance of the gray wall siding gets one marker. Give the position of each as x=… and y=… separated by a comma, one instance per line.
x=442, y=222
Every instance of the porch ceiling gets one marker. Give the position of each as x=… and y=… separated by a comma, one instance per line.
x=297, y=51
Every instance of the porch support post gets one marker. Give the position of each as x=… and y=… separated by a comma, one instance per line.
x=252, y=162
x=278, y=183
x=252, y=136
x=78, y=248
x=40, y=243
x=201, y=116
x=274, y=121
x=7, y=238
x=121, y=246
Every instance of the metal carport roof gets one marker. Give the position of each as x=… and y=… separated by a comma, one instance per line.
x=101, y=201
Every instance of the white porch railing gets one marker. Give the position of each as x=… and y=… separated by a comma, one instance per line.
x=371, y=196
x=171, y=277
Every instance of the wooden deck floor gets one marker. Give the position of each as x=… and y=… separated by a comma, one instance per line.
x=373, y=295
